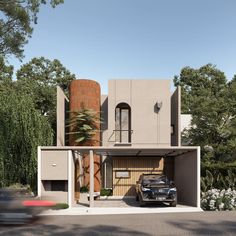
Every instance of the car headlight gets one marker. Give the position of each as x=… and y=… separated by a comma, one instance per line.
x=173, y=190
x=145, y=189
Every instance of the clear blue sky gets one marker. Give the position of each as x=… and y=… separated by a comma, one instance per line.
x=113, y=39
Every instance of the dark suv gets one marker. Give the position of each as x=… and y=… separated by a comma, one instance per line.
x=155, y=188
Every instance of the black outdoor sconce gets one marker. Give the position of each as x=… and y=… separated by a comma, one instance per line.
x=157, y=106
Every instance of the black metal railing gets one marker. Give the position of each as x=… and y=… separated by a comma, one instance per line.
x=123, y=136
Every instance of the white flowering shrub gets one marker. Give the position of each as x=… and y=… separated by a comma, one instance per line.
x=218, y=200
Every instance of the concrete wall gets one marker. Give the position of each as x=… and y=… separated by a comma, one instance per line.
x=187, y=178
x=54, y=165
x=176, y=117
x=185, y=121
x=104, y=117
x=57, y=196
x=149, y=126
x=71, y=179
x=62, y=101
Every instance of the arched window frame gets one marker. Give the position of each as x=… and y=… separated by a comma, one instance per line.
x=122, y=130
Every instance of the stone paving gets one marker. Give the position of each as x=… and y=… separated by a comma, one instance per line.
x=127, y=202
x=111, y=203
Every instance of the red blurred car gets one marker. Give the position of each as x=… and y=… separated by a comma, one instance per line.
x=17, y=206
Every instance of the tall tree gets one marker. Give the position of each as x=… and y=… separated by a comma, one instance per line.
x=39, y=79
x=16, y=24
x=207, y=96
x=6, y=71
x=22, y=129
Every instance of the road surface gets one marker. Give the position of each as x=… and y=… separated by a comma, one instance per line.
x=202, y=223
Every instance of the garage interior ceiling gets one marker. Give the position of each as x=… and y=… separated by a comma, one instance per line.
x=173, y=151
x=143, y=153
x=128, y=151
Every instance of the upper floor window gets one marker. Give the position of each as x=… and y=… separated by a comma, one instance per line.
x=123, y=123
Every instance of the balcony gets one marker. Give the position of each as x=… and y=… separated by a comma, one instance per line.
x=122, y=137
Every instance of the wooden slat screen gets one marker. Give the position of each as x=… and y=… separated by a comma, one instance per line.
x=136, y=166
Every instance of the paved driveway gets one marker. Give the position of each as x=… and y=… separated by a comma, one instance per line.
x=126, y=202
x=130, y=205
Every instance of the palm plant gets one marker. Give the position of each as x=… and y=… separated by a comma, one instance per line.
x=83, y=125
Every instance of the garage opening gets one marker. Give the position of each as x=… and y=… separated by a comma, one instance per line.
x=180, y=166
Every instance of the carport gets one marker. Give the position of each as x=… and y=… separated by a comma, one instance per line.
x=186, y=167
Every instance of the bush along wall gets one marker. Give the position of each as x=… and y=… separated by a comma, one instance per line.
x=218, y=200
x=218, y=176
x=218, y=185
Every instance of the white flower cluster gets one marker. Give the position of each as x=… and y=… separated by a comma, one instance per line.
x=218, y=200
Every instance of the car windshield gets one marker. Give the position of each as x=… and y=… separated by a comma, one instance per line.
x=154, y=180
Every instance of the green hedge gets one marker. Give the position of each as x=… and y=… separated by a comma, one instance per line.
x=217, y=168
x=84, y=189
x=219, y=176
x=60, y=206
x=106, y=192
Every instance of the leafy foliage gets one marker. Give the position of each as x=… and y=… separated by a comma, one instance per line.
x=22, y=130
x=27, y=116
x=60, y=206
x=210, y=99
x=17, y=18
x=84, y=189
x=39, y=79
x=6, y=71
x=106, y=192
x=218, y=181
x=83, y=125
x=219, y=176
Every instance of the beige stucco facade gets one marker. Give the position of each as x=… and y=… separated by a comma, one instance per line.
x=62, y=102
x=176, y=117
x=187, y=177
x=149, y=126
x=56, y=175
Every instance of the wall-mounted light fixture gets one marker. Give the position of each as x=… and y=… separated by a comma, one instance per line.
x=158, y=106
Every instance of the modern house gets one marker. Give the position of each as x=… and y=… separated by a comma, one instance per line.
x=140, y=133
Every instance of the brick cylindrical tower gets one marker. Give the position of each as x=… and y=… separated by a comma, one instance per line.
x=86, y=94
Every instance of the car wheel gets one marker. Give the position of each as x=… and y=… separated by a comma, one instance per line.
x=141, y=202
x=173, y=204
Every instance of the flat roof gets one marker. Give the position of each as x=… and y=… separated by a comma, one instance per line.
x=127, y=151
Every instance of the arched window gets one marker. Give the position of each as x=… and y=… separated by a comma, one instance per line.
x=123, y=123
